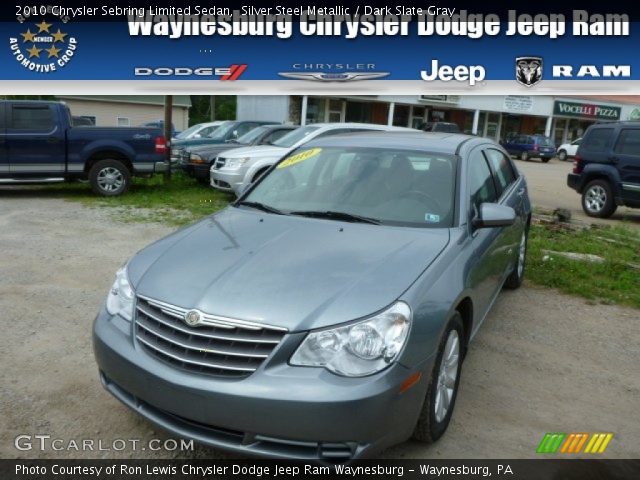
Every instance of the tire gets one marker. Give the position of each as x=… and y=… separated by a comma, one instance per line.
x=597, y=199
x=524, y=156
x=562, y=155
x=109, y=178
x=431, y=424
x=515, y=279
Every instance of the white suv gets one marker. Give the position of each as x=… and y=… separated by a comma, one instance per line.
x=234, y=168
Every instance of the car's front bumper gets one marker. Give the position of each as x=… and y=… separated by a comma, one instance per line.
x=227, y=180
x=279, y=411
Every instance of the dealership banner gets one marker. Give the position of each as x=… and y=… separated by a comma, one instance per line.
x=287, y=470
x=441, y=47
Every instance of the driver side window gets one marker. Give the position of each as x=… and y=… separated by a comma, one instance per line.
x=481, y=186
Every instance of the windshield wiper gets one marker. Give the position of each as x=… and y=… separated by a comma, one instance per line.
x=344, y=216
x=260, y=206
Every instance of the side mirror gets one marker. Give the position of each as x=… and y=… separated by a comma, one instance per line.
x=234, y=135
x=197, y=135
x=493, y=215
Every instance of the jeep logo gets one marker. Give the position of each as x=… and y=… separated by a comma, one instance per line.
x=461, y=73
x=592, y=71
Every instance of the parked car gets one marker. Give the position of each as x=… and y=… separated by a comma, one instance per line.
x=40, y=144
x=606, y=169
x=200, y=130
x=77, y=121
x=526, y=147
x=160, y=124
x=242, y=166
x=225, y=132
x=568, y=150
x=327, y=312
x=446, y=127
x=197, y=161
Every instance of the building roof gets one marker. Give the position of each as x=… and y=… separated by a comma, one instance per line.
x=178, y=100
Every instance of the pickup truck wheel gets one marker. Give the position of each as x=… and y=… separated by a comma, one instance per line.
x=597, y=199
x=445, y=378
x=109, y=178
x=524, y=156
x=562, y=155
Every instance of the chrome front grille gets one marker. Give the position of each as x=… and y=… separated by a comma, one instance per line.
x=219, y=163
x=219, y=346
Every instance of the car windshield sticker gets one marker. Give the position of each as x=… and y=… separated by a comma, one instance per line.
x=431, y=218
x=299, y=157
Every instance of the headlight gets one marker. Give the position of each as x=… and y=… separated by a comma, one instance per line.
x=120, y=298
x=235, y=162
x=195, y=158
x=358, y=349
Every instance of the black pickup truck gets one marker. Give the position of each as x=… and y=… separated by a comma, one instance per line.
x=38, y=143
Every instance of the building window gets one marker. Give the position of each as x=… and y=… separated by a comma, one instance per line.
x=417, y=116
x=401, y=115
x=123, y=122
x=315, y=110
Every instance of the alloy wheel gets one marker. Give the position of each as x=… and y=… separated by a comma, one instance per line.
x=595, y=199
x=447, y=376
x=110, y=179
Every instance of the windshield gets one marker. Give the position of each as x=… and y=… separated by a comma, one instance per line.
x=252, y=135
x=221, y=131
x=388, y=186
x=186, y=133
x=293, y=137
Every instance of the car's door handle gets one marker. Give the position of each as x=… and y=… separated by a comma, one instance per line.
x=521, y=191
x=53, y=140
x=614, y=159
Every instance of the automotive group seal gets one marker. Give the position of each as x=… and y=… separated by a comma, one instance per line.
x=42, y=46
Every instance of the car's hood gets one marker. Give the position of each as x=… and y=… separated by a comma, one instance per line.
x=213, y=150
x=258, y=151
x=189, y=142
x=295, y=272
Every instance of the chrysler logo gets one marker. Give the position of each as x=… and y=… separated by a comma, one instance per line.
x=192, y=317
x=334, y=76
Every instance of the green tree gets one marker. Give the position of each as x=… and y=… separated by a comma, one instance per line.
x=201, y=108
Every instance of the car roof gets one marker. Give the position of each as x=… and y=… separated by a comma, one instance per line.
x=438, y=142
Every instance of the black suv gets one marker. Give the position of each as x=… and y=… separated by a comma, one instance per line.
x=606, y=169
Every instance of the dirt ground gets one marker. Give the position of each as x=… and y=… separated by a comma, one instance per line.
x=548, y=189
x=543, y=362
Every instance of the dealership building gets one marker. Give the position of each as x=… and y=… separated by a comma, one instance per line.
x=564, y=118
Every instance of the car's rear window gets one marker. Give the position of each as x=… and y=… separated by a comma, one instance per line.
x=597, y=139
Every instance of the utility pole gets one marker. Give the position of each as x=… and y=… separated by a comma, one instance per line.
x=212, y=107
x=168, y=133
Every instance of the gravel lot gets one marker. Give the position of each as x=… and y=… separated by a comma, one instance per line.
x=543, y=361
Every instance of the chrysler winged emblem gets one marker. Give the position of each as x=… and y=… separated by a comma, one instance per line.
x=334, y=77
x=192, y=318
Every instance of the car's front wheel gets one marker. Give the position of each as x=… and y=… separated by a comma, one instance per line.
x=524, y=156
x=562, y=155
x=597, y=199
x=443, y=388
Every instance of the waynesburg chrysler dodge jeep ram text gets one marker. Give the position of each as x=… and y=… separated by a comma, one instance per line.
x=39, y=144
x=326, y=313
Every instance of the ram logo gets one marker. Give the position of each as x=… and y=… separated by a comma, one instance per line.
x=592, y=71
x=528, y=70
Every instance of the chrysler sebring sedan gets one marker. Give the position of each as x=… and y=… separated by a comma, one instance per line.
x=334, y=304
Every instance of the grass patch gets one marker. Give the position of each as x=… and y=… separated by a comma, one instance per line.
x=177, y=203
x=613, y=281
